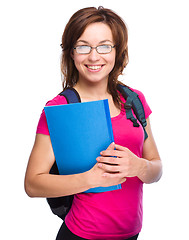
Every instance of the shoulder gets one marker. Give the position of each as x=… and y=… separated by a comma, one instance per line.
x=140, y=94
x=58, y=100
x=42, y=127
x=142, y=98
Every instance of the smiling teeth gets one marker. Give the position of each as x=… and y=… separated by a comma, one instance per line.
x=94, y=67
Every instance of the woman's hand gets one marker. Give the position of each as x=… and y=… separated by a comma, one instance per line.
x=126, y=164
x=98, y=175
x=123, y=164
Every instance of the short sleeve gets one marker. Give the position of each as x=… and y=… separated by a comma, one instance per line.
x=42, y=127
x=146, y=107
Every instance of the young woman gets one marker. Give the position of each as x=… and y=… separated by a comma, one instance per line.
x=95, y=52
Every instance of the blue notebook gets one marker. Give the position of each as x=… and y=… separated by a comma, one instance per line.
x=79, y=132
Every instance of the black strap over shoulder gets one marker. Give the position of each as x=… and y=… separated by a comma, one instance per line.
x=133, y=102
x=71, y=95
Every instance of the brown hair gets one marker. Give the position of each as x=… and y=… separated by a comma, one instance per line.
x=75, y=28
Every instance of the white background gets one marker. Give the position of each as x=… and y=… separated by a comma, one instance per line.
x=30, y=75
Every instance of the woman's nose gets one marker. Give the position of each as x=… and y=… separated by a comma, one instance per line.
x=93, y=55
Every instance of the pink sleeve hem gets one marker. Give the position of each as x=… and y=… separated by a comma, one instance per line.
x=42, y=127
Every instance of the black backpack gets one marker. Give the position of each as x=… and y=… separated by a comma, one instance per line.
x=60, y=206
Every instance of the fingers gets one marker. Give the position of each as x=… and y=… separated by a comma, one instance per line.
x=115, y=150
x=112, y=153
x=107, y=160
x=115, y=160
x=114, y=176
x=111, y=146
x=120, y=148
x=109, y=168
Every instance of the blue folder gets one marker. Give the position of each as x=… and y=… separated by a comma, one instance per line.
x=79, y=132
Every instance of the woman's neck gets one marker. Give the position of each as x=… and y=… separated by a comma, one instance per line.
x=91, y=91
x=95, y=92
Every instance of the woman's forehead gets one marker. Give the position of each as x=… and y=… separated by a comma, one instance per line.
x=96, y=33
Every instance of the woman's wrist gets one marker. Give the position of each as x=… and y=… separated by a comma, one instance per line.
x=151, y=170
x=143, y=169
x=87, y=180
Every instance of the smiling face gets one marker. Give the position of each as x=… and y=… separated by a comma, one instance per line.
x=95, y=67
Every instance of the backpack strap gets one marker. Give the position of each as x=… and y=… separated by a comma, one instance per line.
x=71, y=95
x=133, y=102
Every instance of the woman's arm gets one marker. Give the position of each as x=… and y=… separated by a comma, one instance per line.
x=148, y=168
x=39, y=183
x=151, y=159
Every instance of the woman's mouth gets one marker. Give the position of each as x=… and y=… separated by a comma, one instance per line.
x=95, y=68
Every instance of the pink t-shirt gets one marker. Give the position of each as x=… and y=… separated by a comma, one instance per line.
x=113, y=215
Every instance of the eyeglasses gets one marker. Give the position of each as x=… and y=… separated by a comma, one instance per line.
x=101, y=49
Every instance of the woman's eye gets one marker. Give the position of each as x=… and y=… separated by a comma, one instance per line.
x=83, y=47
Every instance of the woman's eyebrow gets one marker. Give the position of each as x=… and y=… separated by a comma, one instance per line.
x=103, y=41
x=83, y=41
